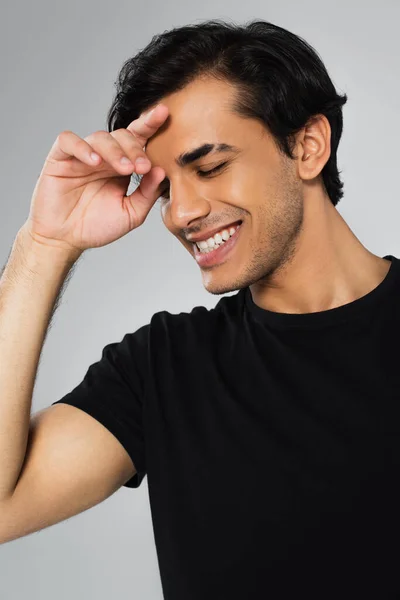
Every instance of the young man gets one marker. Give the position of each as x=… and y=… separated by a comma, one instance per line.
x=269, y=425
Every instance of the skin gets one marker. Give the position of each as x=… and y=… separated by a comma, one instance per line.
x=294, y=250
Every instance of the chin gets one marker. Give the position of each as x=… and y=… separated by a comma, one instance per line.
x=218, y=287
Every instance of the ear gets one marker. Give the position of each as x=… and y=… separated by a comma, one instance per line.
x=314, y=147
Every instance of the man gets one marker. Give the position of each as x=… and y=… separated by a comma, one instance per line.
x=269, y=425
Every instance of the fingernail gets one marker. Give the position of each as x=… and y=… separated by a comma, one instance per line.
x=125, y=161
x=151, y=112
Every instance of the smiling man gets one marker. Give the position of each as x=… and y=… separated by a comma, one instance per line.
x=264, y=220
x=269, y=425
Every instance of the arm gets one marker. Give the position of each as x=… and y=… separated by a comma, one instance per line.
x=60, y=461
x=29, y=287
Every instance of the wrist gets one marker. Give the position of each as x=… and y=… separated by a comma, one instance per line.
x=33, y=258
x=35, y=249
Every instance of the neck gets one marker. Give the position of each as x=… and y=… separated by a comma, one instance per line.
x=329, y=266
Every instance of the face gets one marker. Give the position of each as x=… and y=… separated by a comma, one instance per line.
x=253, y=184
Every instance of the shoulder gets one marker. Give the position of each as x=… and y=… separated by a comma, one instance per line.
x=200, y=320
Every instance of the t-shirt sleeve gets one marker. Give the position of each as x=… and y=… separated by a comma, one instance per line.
x=113, y=391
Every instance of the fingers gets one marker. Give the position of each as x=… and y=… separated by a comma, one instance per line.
x=120, y=148
x=134, y=138
x=147, y=124
x=145, y=196
x=131, y=148
x=68, y=144
x=108, y=146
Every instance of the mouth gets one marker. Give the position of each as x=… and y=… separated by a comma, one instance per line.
x=218, y=254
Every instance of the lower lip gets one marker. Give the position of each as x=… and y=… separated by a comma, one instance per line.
x=208, y=259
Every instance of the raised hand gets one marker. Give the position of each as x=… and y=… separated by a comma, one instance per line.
x=80, y=203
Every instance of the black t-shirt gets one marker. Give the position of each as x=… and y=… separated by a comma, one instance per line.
x=271, y=444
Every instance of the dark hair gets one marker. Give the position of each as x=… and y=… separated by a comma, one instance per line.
x=279, y=77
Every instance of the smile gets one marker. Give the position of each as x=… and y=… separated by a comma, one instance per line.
x=217, y=254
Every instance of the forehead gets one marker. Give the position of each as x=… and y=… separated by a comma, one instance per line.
x=200, y=113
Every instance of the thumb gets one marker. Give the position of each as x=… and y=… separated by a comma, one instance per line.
x=145, y=196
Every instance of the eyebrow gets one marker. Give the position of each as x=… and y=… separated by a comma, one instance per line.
x=186, y=158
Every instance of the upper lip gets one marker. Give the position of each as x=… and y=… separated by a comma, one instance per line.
x=205, y=236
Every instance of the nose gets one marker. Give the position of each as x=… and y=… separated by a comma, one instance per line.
x=185, y=206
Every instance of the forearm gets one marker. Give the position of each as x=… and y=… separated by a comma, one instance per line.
x=29, y=289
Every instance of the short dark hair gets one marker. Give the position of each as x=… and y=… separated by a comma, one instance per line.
x=280, y=80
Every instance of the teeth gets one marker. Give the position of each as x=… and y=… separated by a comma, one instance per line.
x=218, y=239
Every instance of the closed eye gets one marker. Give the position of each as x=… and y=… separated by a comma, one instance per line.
x=203, y=174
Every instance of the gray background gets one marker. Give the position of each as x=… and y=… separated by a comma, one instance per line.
x=58, y=64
